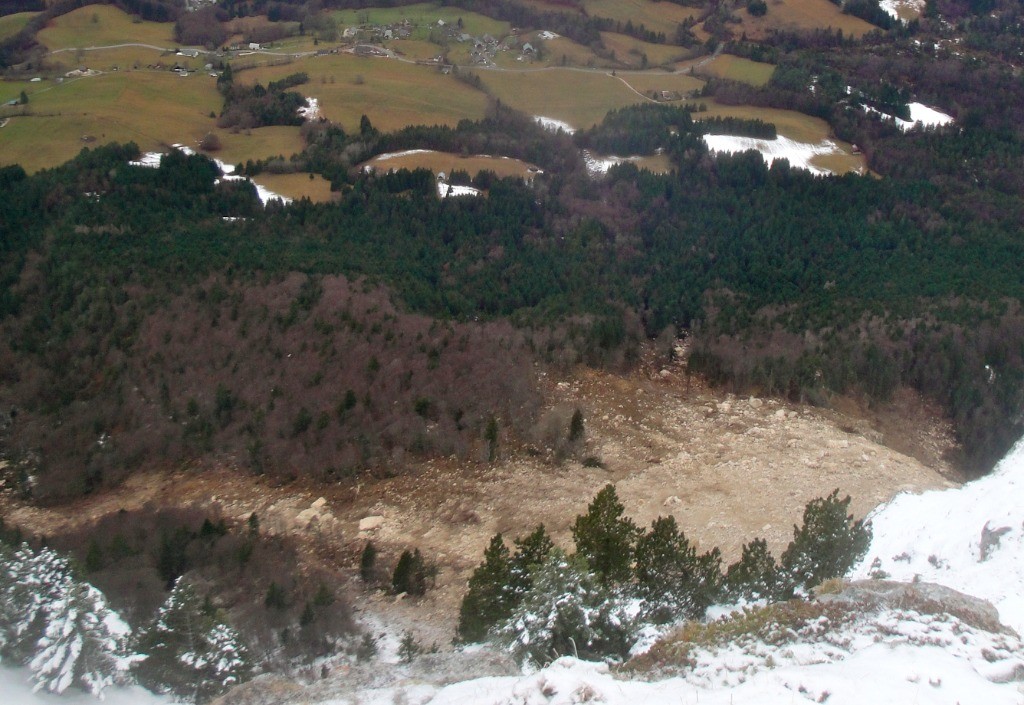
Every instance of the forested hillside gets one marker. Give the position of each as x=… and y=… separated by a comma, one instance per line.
x=167, y=315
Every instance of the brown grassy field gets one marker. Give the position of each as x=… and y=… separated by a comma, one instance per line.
x=260, y=143
x=120, y=59
x=580, y=98
x=655, y=16
x=631, y=51
x=423, y=15
x=800, y=15
x=393, y=94
x=296, y=186
x=661, y=81
x=575, y=54
x=102, y=25
x=149, y=108
x=796, y=126
x=447, y=162
x=736, y=68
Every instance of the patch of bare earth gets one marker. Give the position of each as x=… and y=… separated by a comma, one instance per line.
x=729, y=469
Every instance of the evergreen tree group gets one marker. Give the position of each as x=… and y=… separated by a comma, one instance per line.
x=542, y=603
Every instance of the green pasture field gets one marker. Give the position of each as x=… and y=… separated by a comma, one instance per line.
x=580, y=98
x=103, y=25
x=800, y=15
x=629, y=50
x=153, y=109
x=298, y=186
x=448, y=161
x=423, y=15
x=12, y=24
x=655, y=16
x=736, y=68
x=393, y=94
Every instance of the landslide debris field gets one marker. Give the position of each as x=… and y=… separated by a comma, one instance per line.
x=729, y=469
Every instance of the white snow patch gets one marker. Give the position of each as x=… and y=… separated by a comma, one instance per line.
x=554, y=125
x=601, y=164
x=547, y=34
x=937, y=537
x=799, y=154
x=920, y=116
x=892, y=7
x=395, y=155
x=311, y=110
x=444, y=190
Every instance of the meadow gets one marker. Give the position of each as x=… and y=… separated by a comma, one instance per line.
x=735, y=68
x=296, y=186
x=150, y=108
x=393, y=94
x=580, y=98
x=800, y=15
x=424, y=16
x=655, y=16
x=631, y=51
x=12, y=24
x=103, y=25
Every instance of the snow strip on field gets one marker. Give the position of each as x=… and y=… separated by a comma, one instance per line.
x=920, y=114
x=554, y=125
x=547, y=34
x=395, y=155
x=445, y=190
x=601, y=165
x=937, y=536
x=311, y=110
x=799, y=154
x=152, y=160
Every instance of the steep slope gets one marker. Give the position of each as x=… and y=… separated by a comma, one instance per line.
x=970, y=539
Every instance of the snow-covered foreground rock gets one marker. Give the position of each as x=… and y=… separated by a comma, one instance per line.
x=970, y=538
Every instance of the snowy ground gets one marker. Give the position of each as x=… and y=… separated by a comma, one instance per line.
x=311, y=110
x=893, y=7
x=444, y=190
x=939, y=537
x=15, y=689
x=601, y=164
x=554, y=125
x=799, y=154
x=920, y=115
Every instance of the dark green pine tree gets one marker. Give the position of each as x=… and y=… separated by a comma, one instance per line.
x=605, y=538
x=368, y=562
x=673, y=580
x=531, y=553
x=826, y=546
x=410, y=574
x=755, y=576
x=491, y=595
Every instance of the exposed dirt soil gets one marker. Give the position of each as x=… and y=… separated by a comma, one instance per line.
x=728, y=469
